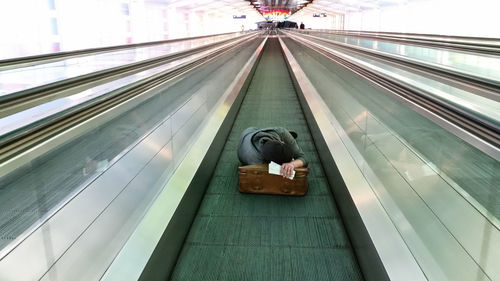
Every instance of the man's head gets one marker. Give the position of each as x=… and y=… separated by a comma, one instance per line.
x=277, y=151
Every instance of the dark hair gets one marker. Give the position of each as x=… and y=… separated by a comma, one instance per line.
x=276, y=151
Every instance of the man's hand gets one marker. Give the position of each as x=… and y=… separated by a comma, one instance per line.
x=287, y=169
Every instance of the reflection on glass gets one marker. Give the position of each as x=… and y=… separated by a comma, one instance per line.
x=24, y=78
x=435, y=151
x=485, y=109
x=37, y=189
x=440, y=192
x=476, y=64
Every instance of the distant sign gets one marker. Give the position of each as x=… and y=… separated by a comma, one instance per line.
x=240, y=17
x=322, y=15
x=276, y=15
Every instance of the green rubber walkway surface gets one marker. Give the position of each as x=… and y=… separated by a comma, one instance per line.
x=264, y=237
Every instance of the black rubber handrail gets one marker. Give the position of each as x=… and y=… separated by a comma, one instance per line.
x=51, y=57
x=452, y=43
x=469, y=122
x=41, y=94
x=407, y=34
x=492, y=87
x=22, y=140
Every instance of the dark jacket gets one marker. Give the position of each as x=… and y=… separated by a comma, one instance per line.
x=252, y=139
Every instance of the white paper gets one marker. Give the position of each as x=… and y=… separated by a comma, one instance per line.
x=275, y=169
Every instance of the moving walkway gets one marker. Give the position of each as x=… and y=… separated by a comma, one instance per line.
x=252, y=237
x=370, y=155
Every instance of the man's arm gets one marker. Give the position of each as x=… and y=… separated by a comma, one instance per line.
x=298, y=154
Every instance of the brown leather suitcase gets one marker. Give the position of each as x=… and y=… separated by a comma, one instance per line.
x=256, y=179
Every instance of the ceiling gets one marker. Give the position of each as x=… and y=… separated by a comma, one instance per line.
x=338, y=6
x=289, y=5
x=262, y=6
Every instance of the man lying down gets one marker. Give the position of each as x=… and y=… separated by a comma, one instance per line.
x=277, y=144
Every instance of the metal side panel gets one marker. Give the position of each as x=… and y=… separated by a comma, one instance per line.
x=381, y=251
x=50, y=241
x=138, y=194
x=152, y=250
